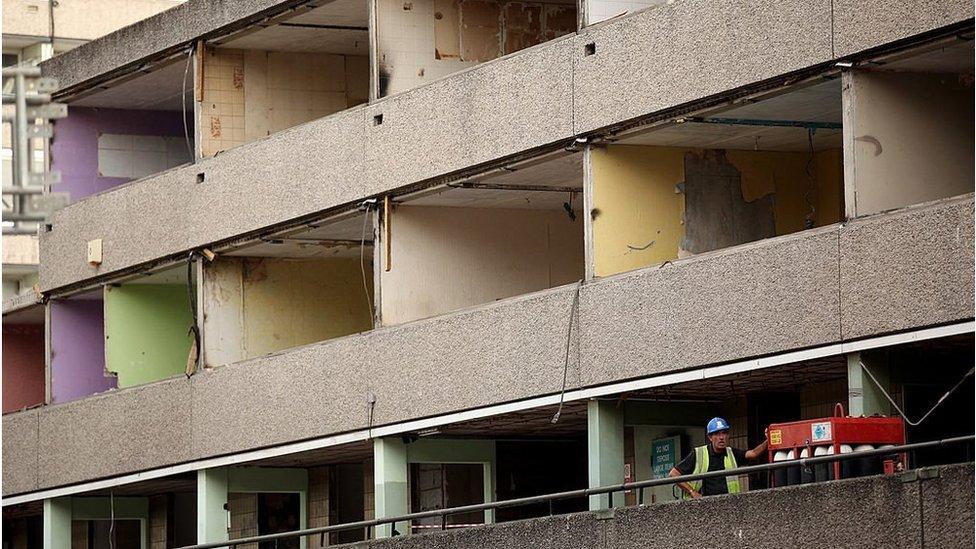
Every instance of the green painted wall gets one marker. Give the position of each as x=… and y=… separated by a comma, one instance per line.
x=146, y=331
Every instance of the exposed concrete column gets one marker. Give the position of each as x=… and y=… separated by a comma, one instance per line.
x=605, y=456
x=864, y=398
x=212, y=505
x=57, y=523
x=392, y=496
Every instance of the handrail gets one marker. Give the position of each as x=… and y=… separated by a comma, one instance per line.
x=584, y=492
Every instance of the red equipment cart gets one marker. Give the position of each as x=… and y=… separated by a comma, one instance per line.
x=834, y=435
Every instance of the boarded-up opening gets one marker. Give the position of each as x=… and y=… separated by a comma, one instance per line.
x=291, y=290
x=444, y=485
x=718, y=181
x=911, y=137
x=423, y=40
x=485, y=239
x=300, y=69
x=23, y=359
x=147, y=327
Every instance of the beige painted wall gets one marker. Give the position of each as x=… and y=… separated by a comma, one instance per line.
x=912, y=138
x=444, y=259
x=640, y=209
x=249, y=94
x=423, y=40
x=77, y=19
x=256, y=306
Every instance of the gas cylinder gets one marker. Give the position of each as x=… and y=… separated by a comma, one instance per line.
x=823, y=472
x=846, y=467
x=867, y=465
x=779, y=475
x=792, y=473
x=806, y=471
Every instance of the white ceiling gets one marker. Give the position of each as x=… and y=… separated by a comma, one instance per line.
x=351, y=40
x=565, y=170
x=158, y=90
x=318, y=242
x=817, y=103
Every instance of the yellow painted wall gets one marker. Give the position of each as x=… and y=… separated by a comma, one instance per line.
x=446, y=259
x=636, y=202
x=634, y=194
x=256, y=306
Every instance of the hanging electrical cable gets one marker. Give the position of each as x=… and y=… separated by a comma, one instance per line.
x=573, y=312
x=186, y=129
x=366, y=205
x=111, y=526
x=899, y=410
x=809, y=220
x=192, y=364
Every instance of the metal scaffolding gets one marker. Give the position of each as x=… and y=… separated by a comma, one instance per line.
x=27, y=107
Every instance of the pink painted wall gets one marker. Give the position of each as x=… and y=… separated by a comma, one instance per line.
x=23, y=366
x=78, y=349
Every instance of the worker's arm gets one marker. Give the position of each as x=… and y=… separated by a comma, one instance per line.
x=685, y=487
x=758, y=451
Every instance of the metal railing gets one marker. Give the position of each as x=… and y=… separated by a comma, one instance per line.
x=584, y=492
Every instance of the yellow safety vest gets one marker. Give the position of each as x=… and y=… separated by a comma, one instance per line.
x=701, y=466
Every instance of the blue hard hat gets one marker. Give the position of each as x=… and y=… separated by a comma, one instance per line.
x=717, y=424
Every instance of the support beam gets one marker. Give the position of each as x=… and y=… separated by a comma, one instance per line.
x=864, y=398
x=605, y=441
x=392, y=495
x=57, y=523
x=212, y=505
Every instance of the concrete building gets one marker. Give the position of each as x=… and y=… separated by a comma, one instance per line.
x=33, y=31
x=331, y=261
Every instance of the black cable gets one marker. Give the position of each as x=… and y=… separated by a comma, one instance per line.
x=194, y=328
x=573, y=312
x=186, y=130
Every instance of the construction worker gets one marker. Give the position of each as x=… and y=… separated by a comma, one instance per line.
x=717, y=455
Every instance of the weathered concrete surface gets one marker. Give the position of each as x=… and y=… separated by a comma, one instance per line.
x=304, y=169
x=867, y=512
x=860, y=25
x=488, y=112
x=947, y=508
x=112, y=433
x=135, y=43
x=680, y=51
x=20, y=432
x=752, y=300
x=651, y=60
x=907, y=269
x=517, y=347
x=755, y=299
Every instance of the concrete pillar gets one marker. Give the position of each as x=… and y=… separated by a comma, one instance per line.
x=212, y=505
x=605, y=442
x=864, y=398
x=392, y=492
x=57, y=523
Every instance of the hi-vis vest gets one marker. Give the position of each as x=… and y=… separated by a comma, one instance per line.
x=701, y=466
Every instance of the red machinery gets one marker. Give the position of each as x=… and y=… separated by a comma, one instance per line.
x=835, y=435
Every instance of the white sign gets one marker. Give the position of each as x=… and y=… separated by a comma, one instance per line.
x=820, y=432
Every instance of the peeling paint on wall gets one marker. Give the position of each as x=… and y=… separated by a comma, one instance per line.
x=731, y=197
x=717, y=215
x=255, y=306
x=435, y=38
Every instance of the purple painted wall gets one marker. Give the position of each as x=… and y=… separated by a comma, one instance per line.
x=74, y=149
x=78, y=349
